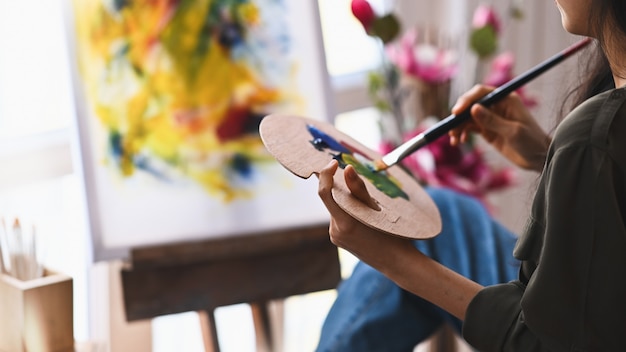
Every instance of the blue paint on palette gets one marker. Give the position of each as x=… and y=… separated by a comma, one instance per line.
x=347, y=155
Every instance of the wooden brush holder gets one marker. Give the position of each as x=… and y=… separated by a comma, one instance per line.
x=36, y=315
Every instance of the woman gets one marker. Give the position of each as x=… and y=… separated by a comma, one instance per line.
x=569, y=294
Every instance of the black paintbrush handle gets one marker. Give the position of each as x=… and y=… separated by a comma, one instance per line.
x=444, y=126
x=452, y=121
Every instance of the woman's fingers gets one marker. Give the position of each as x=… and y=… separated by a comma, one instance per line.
x=461, y=134
x=353, y=181
x=357, y=187
x=491, y=124
x=470, y=97
x=485, y=118
x=326, y=185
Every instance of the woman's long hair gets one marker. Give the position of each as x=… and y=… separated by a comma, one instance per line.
x=597, y=78
x=607, y=21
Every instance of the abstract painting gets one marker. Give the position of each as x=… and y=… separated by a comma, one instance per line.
x=169, y=96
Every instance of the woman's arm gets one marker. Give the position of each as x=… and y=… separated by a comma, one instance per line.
x=421, y=275
x=395, y=257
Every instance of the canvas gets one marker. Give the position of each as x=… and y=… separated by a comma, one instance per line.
x=169, y=97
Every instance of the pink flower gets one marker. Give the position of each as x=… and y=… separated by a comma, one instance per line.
x=501, y=71
x=422, y=60
x=485, y=15
x=362, y=10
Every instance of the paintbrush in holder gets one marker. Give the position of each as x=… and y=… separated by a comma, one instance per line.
x=19, y=252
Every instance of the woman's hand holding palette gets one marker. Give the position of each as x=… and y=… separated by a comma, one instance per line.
x=305, y=146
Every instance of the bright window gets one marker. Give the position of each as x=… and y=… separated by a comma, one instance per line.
x=36, y=113
x=348, y=49
x=34, y=79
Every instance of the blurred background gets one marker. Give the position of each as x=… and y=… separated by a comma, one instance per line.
x=39, y=180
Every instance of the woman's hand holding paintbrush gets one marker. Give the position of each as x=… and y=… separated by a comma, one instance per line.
x=455, y=120
x=512, y=131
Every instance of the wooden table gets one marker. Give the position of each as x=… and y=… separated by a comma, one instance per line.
x=253, y=269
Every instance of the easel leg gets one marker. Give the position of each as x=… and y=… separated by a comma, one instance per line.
x=262, y=326
x=443, y=341
x=208, y=327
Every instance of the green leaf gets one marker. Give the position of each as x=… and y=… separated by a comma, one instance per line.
x=375, y=82
x=386, y=28
x=484, y=41
x=382, y=105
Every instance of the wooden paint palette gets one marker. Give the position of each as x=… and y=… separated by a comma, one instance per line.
x=305, y=146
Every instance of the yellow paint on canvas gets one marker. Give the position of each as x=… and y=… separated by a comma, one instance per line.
x=165, y=81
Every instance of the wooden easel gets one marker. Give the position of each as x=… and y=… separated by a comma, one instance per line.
x=253, y=269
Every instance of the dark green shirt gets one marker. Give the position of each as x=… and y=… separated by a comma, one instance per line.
x=571, y=291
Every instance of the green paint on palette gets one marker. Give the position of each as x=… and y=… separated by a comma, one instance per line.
x=346, y=154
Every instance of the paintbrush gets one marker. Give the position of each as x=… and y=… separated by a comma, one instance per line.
x=444, y=126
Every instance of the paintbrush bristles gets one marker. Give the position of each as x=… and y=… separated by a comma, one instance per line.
x=379, y=165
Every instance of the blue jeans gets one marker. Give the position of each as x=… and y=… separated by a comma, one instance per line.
x=371, y=313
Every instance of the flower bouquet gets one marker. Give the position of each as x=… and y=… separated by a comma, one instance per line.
x=412, y=90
